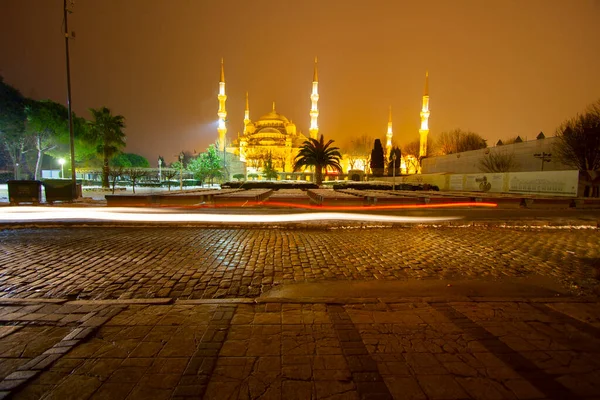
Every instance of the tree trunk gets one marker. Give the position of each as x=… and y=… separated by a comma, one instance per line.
x=318, y=175
x=38, y=162
x=105, y=171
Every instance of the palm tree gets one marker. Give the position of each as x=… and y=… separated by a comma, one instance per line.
x=106, y=132
x=318, y=154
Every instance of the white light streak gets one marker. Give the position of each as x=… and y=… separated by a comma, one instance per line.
x=28, y=214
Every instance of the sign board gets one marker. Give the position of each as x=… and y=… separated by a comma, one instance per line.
x=561, y=183
x=484, y=182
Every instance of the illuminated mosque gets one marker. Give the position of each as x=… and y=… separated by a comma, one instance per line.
x=276, y=136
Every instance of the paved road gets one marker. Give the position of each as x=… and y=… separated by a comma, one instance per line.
x=189, y=263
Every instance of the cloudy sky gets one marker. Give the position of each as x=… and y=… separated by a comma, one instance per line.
x=497, y=67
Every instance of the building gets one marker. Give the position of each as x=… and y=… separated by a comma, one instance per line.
x=272, y=135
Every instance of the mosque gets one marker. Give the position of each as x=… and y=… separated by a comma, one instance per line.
x=276, y=136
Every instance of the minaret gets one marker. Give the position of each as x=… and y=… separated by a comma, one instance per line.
x=246, y=115
x=222, y=113
x=314, y=109
x=389, y=135
x=424, y=131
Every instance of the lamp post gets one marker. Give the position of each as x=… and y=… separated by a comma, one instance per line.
x=394, y=171
x=61, y=161
x=68, y=35
x=181, y=171
x=545, y=157
x=159, y=170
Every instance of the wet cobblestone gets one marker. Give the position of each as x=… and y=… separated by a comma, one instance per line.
x=123, y=263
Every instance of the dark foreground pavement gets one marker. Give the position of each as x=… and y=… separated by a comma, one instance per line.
x=410, y=348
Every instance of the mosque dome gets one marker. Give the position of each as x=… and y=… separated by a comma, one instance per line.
x=274, y=116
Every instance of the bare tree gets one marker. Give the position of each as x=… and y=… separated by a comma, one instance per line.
x=498, y=161
x=457, y=141
x=169, y=173
x=410, y=153
x=135, y=174
x=360, y=150
x=578, y=142
x=115, y=173
x=412, y=149
x=256, y=158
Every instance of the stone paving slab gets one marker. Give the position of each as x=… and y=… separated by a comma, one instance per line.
x=588, y=313
x=194, y=263
x=13, y=300
x=289, y=350
x=165, y=300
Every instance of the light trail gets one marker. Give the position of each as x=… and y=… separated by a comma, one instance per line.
x=31, y=214
x=466, y=204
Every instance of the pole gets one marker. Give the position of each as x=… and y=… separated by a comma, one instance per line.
x=159, y=170
x=181, y=171
x=71, y=133
x=394, y=172
x=225, y=172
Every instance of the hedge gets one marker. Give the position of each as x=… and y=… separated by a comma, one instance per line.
x=270, y=185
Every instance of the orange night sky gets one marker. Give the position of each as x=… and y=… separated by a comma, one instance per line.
x=498, y=67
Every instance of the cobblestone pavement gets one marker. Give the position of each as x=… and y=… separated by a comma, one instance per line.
x=122, y=263
x=535, y=349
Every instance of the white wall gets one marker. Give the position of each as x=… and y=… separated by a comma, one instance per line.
x=550, y=183
x=468, y=162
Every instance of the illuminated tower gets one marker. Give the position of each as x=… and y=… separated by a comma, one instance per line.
x=388, y=136
x=314, y=109
x=222, y=113
x=246, y=115
x=424, y=131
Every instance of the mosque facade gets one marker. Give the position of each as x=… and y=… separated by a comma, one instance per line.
x=276, y=137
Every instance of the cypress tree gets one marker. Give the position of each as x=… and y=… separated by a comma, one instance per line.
x=377, y=158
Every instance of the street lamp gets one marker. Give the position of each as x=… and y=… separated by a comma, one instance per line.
x=394, y=171
x=545, y=157
x=181, y=171
x=159, y=170
x=61, y=161
x=66, y=12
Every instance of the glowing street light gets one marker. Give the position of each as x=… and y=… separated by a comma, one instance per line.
x=62, y=161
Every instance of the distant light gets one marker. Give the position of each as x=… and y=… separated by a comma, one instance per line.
x=61, y=161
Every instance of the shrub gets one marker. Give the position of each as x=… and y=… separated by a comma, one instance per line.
x=275, y=185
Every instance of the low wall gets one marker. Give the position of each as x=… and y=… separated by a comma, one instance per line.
x=550, y=183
